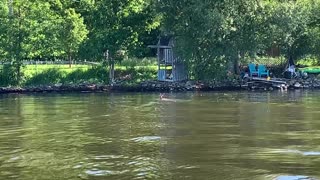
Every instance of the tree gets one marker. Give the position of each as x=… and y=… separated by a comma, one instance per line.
x=212, y=34
x=4, y=12
x=39, y=29
x=116, y=26
x=14, y=28
x=288, y=24
x=72, y=31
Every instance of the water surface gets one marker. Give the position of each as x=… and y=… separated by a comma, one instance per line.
x=220, y=135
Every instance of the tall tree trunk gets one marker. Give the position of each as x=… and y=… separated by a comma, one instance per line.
x=236, y=64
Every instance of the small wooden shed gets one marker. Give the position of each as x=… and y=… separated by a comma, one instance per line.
x=170, y=67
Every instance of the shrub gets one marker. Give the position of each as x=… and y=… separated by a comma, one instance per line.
x=308, y=61
x=8, y=75
x=50, y=76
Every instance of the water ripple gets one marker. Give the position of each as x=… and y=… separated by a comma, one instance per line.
x=146, y=138
x=109, y=157
x=294, y=177
x=100, y=172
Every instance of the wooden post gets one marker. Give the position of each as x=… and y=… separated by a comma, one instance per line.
x=158, y=58
x=173, y=71
x=111, y=66
x=111, y=71
x=236, y=63
x=70, y=59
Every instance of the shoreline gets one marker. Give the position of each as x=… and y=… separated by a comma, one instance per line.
x=141, y=87
x=160, y=86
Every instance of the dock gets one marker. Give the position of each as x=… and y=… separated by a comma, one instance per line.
x=266, y=84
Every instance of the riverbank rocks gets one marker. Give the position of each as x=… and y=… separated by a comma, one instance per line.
x=158, y=86
x=281, y=83
x=304, y=83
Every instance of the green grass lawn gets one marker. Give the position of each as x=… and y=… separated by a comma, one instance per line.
x=36, y=69
x=312, y=69
x=134, y=70
x=136, y=67
x=53, y=73
x=32, y=70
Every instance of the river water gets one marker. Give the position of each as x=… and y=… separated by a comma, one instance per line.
x=219, y=135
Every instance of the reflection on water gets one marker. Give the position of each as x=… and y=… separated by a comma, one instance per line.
x=230, y=135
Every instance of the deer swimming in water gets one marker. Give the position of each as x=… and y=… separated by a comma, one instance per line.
x=162, y=98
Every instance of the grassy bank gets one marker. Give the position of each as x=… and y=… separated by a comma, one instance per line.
x=45, y=74
x=130, y=71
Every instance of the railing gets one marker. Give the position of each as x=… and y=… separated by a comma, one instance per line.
x=167, y=56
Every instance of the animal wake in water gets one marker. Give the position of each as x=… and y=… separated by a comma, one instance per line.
x=162, y=98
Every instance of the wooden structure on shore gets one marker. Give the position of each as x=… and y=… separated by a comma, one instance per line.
x=264, y=83
x=170, y=67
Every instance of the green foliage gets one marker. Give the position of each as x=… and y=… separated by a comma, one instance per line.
x=132, y=62
x=134, y=75
x=288, y=25
x=212, y=37
x=95, y=74
x=309, y=61
x=118, y=25
x=37, y=29
x=74, y=31
x=268, y=61
x=143, y=74
x=207, y=31
x=214, y=69
x=50, y=76
x=8, y=76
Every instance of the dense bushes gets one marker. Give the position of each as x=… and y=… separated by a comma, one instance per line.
x=97, y=74
x=8, y=76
